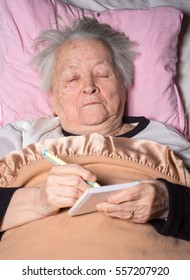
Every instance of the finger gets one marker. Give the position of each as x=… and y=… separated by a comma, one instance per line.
x=59, y=197
x=136, y=216
x=124, y=216
x=115, y=210
x=109, y=208
x=67, y=180
x=137, y=211
x=75, y=169
x=64, y=202
x=67, y=191
x=132, y=216
x=129, y=194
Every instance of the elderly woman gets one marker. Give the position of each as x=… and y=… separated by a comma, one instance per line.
x=87, y=69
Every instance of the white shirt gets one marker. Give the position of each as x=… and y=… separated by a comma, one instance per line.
x=19, y=134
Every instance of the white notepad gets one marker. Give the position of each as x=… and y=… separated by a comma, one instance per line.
x=92, y=196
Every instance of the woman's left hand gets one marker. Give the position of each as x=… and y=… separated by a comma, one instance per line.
x=141, y=203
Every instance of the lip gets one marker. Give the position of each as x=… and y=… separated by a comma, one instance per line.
x=91, y=103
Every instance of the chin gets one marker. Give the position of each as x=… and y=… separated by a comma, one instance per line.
x=91, y=123
x=93, y=119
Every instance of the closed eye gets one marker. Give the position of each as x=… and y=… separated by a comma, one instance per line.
x=71, y=79
x=103, y=75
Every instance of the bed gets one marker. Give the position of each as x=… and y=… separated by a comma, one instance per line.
x=160, y=91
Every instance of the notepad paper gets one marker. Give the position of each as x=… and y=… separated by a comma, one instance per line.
x=92, y=196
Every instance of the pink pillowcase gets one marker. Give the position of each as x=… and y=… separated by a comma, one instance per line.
x=156, y=30
x=154, y=93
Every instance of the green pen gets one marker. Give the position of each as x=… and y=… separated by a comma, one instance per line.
x=57, y=161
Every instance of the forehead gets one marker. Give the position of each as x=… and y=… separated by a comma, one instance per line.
x=83, y=50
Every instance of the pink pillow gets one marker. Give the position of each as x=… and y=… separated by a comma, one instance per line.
x=20, y=85
x=156, y=30
x=154, y=93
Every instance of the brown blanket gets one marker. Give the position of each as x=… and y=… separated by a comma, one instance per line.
x=92, y=236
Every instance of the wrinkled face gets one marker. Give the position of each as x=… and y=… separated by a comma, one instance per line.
x=87, y=89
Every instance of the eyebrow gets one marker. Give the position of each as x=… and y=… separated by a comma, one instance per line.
x=72, y=67
x=101, y=62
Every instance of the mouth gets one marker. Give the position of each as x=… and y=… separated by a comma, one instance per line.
x=91, y=103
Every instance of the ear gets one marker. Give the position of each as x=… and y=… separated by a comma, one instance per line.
x=52, y=101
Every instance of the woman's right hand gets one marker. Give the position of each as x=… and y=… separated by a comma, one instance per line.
x=63, y=186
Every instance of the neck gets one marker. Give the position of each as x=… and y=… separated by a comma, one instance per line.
x=103, y=129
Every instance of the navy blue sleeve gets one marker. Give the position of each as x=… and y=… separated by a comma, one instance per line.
x=5, y=197
x=178, y=221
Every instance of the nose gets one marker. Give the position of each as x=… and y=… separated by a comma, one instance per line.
x=90, y=87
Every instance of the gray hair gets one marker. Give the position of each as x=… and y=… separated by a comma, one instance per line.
x=118, y=44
